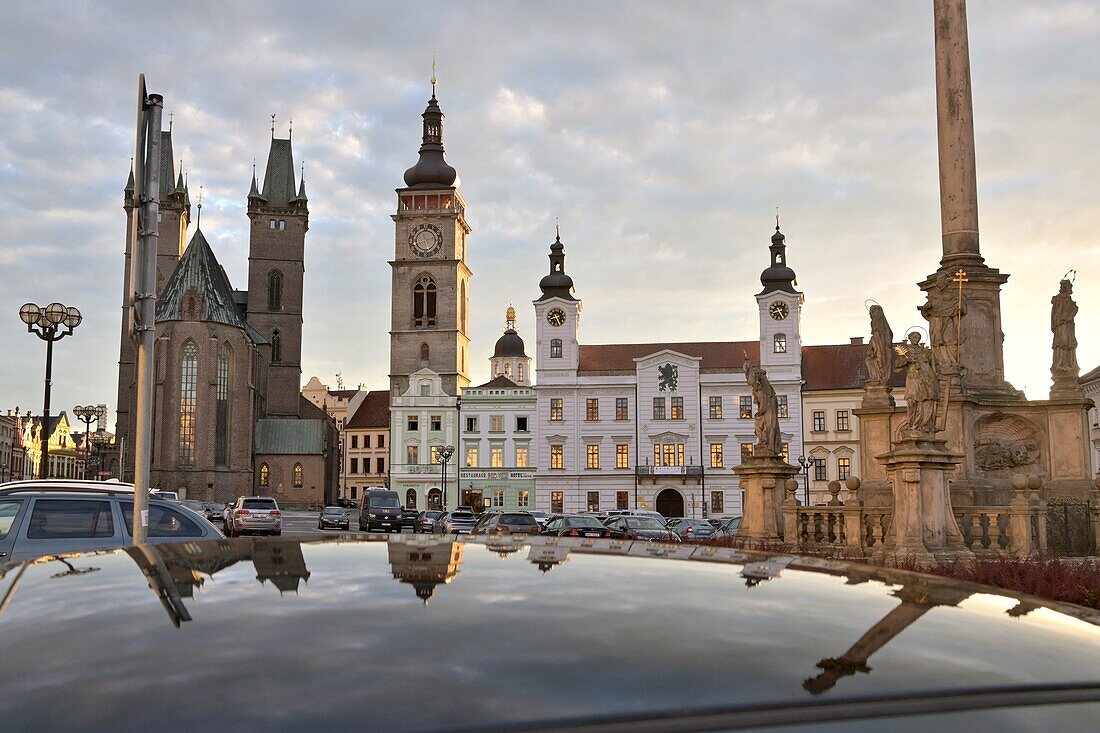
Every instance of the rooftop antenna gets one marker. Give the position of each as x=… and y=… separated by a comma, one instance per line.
x=290, y=129
x=557, y=228
x=434, y=79
x=272, y=125
x=171, y=119
x=198, y=217
x=777, y=217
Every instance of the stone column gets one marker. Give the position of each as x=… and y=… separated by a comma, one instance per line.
x=924, y=524
x=955, y=128
x=762, y=479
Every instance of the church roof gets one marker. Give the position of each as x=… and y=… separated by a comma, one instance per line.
x=510, y=344
x=714, y=355
x=373, y=412
x=279, y=178
x=167, y=169
x=199, y=270
x=289, y=437
x=431, y=169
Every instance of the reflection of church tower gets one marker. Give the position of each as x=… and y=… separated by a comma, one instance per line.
x=281, y=562
x=547, y=557
x=916, y=600
x=509, y=356
x=424, y=564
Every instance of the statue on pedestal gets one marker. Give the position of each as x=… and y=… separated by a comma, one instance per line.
x=944, y=311
x=1062, y=313
x=769, y=442
x=879, y=358
x=921, y=386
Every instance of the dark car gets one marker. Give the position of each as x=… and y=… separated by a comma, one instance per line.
x=381, y=511
x=577, y=525
x=887, y=650
x=691, y=529
x=636, y=527
x=409, y=518
x=334, y=517
x=507, y=522
x=425, y=521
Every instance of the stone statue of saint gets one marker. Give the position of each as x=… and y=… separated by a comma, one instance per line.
x=879, y=357
x=921, y=385
x=943, y=310
x=769, y=442
x=1062, y=312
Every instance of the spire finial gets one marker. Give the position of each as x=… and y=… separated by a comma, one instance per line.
x=510, y=317
x=290, y=129
x=253, y=167
x=272, y=125
x=557, y=228
x=777, y=217
x=198, y=217
x=434, y=79
x=171, y=119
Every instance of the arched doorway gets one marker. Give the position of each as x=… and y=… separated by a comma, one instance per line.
x=435, y=497
x=670, y=503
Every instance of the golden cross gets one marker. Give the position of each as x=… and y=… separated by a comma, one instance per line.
x=960, y=278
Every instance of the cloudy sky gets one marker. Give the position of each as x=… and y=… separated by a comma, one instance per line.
x=663, y=135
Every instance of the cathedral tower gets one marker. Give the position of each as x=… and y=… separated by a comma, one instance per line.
x=431, y=281
x=175, y=215
x=279, y=219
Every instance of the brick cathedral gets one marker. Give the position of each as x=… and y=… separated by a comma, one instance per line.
x=228, y=416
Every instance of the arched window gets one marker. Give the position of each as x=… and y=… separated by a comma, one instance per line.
x=425, y=352
x=555, y=348
x=276, y=346
x=424, y=302
x=265, y=475
x=780, y=343
x=221, y=427
x=519, y=372
x=275, y=291
x=189, y=396
x=462, y=308
x=297, y=475
x=508, y=369
x=410, y=499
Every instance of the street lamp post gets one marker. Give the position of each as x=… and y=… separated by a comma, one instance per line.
x=87, y=414
x=805, y=463
x=100, y=441
x=445, y=454
x=46, y=323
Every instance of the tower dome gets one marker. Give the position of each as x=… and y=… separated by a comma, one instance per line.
x=778, y=276
x=510, y=344
x=432, y=170
x=557, y=284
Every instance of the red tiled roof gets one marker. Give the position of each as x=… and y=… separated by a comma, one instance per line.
x=373, y=412
x=500, y=382
x=714, y=354
x=838, y=366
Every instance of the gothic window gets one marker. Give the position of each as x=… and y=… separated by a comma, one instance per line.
x=780, y=343
x=275, y=291
x=189, y=394
x=424, y=293
x=555, y=348
x=221, y=427
x=462, y=309
x=265, y=474
x=276, y=346
x=297, y=475
x=425, y=352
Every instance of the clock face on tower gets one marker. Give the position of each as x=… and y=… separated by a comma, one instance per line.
x=425, y=240
x=555, y=317
x=779, y=310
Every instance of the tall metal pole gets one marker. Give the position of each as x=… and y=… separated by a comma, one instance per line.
x=144, y=295
x=443, y=471
x=44, y=466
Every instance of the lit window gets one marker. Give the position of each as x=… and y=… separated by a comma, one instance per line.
x=556, y=409
x=745, y=407
x=189, y=373
x=843, y=468
x=471, y=456
x=785, y=452
x=669, y=457
x=593, y=456
x=622, y=456
x=557, y=502
x=521, y=456
x=265, y=474
x=297, y=475
x=716, y=408
x=592, y=409
x=557, y=458
x=593, y=501
x=784, y=411
x=716, y=459
x=677, y=408
x=523, y=498
x=841, y=419
x=412, y=455
x=746, y=451
x=434, y=454
x=496, y=456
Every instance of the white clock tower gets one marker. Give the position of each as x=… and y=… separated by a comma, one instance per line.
x=780, y=307
x=557, y=315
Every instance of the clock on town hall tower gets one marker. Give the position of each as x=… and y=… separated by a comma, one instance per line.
x=780, y=311
x=431, y=281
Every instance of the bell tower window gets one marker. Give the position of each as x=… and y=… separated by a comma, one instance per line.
x=780, y=343
x=425, y=352
x=275, y=291
x=424, y=298
x=276, y=346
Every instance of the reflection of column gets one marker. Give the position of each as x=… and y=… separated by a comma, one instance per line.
x=424, y=563
x=160, y=580
x=916, y=600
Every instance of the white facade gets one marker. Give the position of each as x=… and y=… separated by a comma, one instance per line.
x=1091, y=385
x=631, y=425
x=423, y=420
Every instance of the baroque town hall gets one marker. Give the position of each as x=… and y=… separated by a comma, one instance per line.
x=229, y=419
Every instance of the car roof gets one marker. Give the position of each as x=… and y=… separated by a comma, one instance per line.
x=423, y=602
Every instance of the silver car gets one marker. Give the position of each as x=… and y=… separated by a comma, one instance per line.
x=259, y=514
x=51, y=517
x=456, y=522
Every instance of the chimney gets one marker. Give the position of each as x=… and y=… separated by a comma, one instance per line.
x=856, y=340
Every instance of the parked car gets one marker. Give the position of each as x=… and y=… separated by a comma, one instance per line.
x=508, y=522
x=214, y=511
x=47, y=517
x=194, y=505
x=409, y=518
x=729, y=527
x=577, y=525
x=425, y=521
x=645, y=513
x=634, y=527
x=456, y=522
x=334, y=516
x=346, y=504
x=482, y=518
x=380, y=511
x=254, y=515
x=691, y=529
x=888, y=650
x=540, y=517
x=166, y=495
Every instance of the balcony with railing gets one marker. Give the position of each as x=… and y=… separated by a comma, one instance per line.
x=658, y=471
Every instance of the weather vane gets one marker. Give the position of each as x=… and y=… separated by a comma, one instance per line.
x=198, y=218
x=272, y=124
x=434, y=80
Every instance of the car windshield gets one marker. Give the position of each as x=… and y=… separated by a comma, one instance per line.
x=583, y=522
x=539, y=515
x=462, y=515
x=333, y=510
x=432, y=515
x=387, y=502
x=259, y=504
x=517, y=519
x=643, y=523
